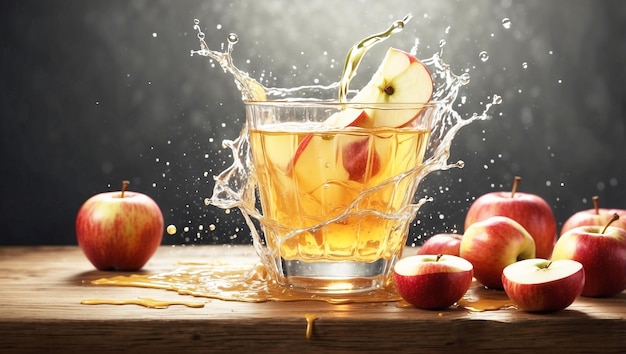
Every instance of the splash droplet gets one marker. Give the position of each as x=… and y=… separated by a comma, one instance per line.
x=525, y=65
x=171, y=229
x=506, y=22
x=233, y=38
x=484, y=56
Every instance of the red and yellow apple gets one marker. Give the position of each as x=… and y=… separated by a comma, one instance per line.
x=540, y=285
x=119, y=230
x=602, y=252
x=594, y=217
x=529, y=210
x=442, y=244
x=494, y=243
x=432, y=282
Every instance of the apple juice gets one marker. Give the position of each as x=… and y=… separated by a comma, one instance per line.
x=319, y=190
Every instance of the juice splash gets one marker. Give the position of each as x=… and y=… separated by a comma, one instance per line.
x=329, y=237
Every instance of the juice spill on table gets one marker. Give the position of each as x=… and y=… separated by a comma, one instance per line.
x=241, y=281
x=249, y=282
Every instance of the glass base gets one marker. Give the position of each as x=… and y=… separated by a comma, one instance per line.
x=326, y=277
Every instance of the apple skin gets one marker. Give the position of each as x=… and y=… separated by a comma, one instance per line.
x=356, y=156
x=593, y=217
x=119, y=233
x=494, y=243
x=538, y=285
x=529, y=210
x=603, y=255
x=432, y=282
x=442, y=244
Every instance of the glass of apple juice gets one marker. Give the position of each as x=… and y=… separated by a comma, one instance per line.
x=336, y=191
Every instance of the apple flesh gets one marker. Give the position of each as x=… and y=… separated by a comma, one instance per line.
x=119, y=230
x=432, y=282
x=494, y=243
x=529, y=210
x=602, y=252
x=442, y=244
x=594, y=217
x=539, y=285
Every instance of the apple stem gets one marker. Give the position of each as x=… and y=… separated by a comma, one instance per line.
x=596, y=204
x=516, y=182
x=547, y=265
x=614, y=218
x=125, y=184
x=439, y=257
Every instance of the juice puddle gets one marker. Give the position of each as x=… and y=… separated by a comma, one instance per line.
x=143, y=301
x=235, y=282
x=251, y=283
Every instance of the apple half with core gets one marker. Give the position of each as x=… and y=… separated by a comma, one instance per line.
x=432, y=282
x=540, y=285
x=602, y=252
x=594, y=217
x=119, y=230
x=442, y=244
x=494, y=243
x=529, y=210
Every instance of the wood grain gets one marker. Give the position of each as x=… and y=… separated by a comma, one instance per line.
x=41, y=289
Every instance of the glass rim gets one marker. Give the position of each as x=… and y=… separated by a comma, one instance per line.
x=336, y=104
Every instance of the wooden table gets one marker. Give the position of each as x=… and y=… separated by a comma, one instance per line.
x=40, y=312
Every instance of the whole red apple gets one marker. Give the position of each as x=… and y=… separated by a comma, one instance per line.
x=594, y=217
x=602, y=252
x=494, y=243
x=119, y=230
x=539, y=285
x=530, y=210
x=432, y=282
x=442, y=244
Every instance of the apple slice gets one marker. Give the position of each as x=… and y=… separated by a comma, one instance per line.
x=401, y=78
x=346, y=118
x=356, y=158
x=539, y=285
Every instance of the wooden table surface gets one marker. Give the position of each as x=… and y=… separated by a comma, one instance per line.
x=40, y=312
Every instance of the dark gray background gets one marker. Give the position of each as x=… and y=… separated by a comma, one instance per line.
x=93, y=92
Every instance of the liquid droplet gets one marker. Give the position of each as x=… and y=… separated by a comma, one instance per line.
x=525, y=65
x=442, y=43
x=506, y=23
x=484, y=56
x=171, y=229
x=233, y=38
